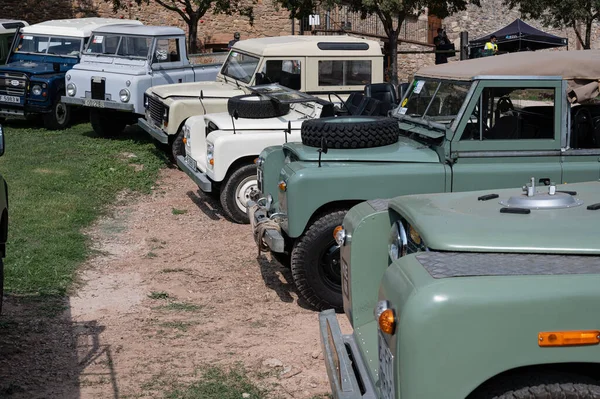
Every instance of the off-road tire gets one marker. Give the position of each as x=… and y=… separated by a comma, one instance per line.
x=177, y=147
x=252, y=106
x=1, y=283
x=350, y=131
x=307, y=272
x=107, y=124
x=59, y=118
x=551, y=385
x=235, y=182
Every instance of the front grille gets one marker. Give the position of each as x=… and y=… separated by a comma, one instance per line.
x=13, y=84
x=98, y=88
x=157, y=109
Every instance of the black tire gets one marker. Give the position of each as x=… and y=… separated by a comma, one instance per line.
x=350, y=131
x=107, y=123
x=551, y=385
x=315, y=263
x=59, y=118
x=284, y=259
x=1, y=283
x=177, y=147
x=236, y=192
x=252, y=106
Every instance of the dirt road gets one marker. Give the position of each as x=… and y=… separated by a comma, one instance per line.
x=175, y=287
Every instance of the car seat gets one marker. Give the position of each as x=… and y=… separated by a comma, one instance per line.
x=383, y=92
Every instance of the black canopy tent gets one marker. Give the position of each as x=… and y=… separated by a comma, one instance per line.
x=518, y=36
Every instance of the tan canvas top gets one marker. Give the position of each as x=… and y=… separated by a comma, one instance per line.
x=580, y=67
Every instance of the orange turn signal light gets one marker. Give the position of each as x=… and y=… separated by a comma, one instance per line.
x=184, y=140
x=387, y=321
x=336, y=231
x=569, y=338
x=212, y=162
x=282, y=185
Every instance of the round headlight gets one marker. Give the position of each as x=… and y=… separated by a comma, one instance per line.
x=36, y=90
x=397, y=241
x=125, y=95
x=71, y=89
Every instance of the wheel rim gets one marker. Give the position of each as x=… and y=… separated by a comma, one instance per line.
x=60, y=113
x=242, y=193
x=329, y=266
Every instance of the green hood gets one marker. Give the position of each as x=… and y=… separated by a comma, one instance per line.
x=461, y=222
x=405, y=150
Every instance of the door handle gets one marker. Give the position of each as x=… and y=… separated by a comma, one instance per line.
x=545, y=181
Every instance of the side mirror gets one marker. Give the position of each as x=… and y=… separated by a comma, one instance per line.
x=1, y=140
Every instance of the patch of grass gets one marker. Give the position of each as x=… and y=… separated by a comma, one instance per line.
x=216, y=383
x=175, y=211
x=151, y=255
x=159, y=295
x=180, y=306
x=177, y=270
x=58, y=184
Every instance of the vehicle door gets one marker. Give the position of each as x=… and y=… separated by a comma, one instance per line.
x=509, y=133
x=581, y=142
x=167, y=62
x=288, y=72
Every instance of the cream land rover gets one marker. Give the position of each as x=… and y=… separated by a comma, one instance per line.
x=323, y=66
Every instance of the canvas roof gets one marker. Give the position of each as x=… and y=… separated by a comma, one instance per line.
x=299, y=45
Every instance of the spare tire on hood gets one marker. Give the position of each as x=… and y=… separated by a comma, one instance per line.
x=350, y=131
x=253, y=106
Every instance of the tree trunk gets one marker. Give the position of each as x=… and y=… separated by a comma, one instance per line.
x=193, y=35
x=394, y=56
x=588, y=34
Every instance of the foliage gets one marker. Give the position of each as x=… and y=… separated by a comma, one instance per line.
x=58, y=184
x=561, y=13
x=191, y=11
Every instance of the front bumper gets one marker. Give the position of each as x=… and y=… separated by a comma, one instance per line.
x=101, y=104
x=155, y=132
x=199, y=178
x=345, y=375
x=266, y=235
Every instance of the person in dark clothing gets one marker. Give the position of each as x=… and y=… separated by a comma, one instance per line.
x=236, y=38
x=441, y=42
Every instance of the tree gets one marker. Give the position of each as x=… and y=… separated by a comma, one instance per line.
x=562, y=13
x=392, y=14
x=191, y=11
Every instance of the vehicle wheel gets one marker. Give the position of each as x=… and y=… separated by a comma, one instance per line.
x=253, y=106
x=315, y=263
x=177, y=147
x=283, y=258
x=552, y=385
x=236, y=193
x=1, y=283
x=107, y=124
x=58, y=118
x=350, y=131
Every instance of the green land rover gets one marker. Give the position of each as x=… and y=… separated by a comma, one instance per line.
x=486, y=294
x=485, y=123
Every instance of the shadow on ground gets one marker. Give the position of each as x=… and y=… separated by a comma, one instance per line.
x=44, y=353
x=279, y=279
x=207, y=205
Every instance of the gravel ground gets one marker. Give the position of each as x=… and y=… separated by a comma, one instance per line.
x=175, y=287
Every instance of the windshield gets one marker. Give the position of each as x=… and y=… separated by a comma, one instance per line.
x=119, y=45
x=240, y=66
x=434, y=100
x=38, y=44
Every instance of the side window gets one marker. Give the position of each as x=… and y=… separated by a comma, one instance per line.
x=167, y=50
x=344, y=73
x=505, y=113
x=284, y=72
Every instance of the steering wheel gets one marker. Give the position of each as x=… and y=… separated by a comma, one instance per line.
x=339, y=98
x=505, y=104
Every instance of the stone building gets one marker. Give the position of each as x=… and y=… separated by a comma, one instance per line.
x=215, y=31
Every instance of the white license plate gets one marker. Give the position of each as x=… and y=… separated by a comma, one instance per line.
x=93, y=103
x=191, y=162
x=10, y=99
x=386, y=369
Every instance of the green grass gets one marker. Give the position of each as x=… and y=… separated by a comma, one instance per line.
x=180, y=306
x=217, y=383
x=176, y=211
x=158, y=295
x=58, y=184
